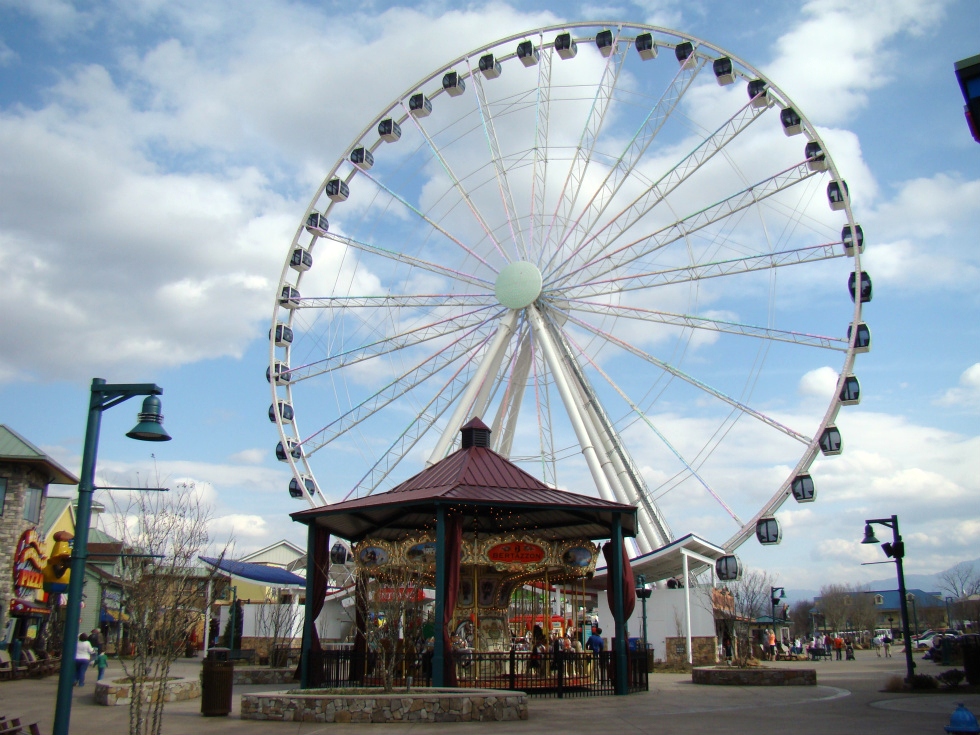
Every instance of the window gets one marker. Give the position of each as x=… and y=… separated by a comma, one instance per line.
x=32, y=504
x=879, y=600
x=3, y=493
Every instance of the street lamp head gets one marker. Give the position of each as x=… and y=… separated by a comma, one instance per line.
x=869, y=534
x=150, y=426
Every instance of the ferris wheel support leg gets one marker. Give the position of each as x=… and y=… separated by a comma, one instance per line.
x=492, y=359
x=572, y=406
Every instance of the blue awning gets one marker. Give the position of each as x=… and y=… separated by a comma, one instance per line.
x=256, y=572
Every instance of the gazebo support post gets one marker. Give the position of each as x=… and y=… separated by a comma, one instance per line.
x=304, y=666
x=439, y=652
x=619, y=613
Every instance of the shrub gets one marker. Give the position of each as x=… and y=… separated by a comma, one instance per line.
x=951, y=678
x=895, y=684
x=924, y=681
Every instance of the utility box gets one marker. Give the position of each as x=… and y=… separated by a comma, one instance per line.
x=217, y=678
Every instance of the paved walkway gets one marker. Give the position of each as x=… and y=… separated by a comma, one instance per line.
x=848, y=698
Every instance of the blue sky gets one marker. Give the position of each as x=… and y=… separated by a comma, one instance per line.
x=157, y=159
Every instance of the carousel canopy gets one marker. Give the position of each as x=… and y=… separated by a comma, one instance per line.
x=493, y=494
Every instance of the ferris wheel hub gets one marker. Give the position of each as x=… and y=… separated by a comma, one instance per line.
x=518, y=285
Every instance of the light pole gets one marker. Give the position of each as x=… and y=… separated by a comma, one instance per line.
x=773, y=601
x=949, y=619
x=915, y=613
x=643, y=593
x=150, y=428
x=895, y=550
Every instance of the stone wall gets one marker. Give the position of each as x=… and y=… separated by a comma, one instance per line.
x=424, y=705
x=12, y=524
x=266, y=675
x=112, y=692
x=705, y=650
x=755, y=677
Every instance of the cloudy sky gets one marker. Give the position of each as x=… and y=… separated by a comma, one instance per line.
x=157, y=159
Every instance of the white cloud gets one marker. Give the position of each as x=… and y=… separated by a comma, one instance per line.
x=250, y=456
x=820, y=382
x=830, y=61
x=239, y=526
x=967, y=394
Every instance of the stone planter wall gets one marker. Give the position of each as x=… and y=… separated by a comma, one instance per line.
x=252, y=675
x=112, y=692
x=705, y=650
x=756, y=677
x=423, y=705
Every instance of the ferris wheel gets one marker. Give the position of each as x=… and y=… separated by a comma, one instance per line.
x=619, y=245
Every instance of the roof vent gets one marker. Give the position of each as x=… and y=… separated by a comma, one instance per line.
x=475, y=434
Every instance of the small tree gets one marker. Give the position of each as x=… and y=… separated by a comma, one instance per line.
x=277, y=624
x=746, y=600
x=163, y=590
x=395, y=616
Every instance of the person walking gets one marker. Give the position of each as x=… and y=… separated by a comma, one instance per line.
x=101, y=663
x=96, y=639
x=83, y=659
x=887, y=643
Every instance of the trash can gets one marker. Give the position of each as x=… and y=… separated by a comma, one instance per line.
x=217, y=677
x=970, y=645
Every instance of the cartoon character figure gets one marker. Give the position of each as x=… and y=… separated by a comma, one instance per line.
x=57, y=570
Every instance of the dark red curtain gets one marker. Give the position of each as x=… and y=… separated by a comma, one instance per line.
x=360, y=627
x=454, y=552
x=321, y=565
x=629, y=582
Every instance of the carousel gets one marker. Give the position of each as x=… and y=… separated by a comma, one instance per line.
x=472, y=551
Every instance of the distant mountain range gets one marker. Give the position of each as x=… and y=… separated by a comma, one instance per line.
x=924, y=582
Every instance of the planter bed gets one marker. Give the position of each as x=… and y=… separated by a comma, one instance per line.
x=112, y=692
x=759, y=676
x=375, y=706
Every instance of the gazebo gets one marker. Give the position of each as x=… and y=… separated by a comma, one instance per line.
x=472, y=492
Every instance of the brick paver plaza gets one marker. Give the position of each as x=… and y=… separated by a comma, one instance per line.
x=848, y=698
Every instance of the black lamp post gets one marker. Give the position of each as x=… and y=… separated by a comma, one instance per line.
x=895, y=550
x=643, y=593
x=949, y=619
x=775, y=595
x=150, y=428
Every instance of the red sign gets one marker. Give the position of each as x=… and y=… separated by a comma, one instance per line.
x=516, y=552
x=402, y=594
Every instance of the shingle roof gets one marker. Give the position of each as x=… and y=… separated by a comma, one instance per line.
x=15, y=448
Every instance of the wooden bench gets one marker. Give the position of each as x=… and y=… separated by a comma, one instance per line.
x=818, y=653
x=13, y=727
x=242, y=655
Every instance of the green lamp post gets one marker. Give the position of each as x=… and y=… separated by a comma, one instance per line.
x=150, y=428
x=895, y=550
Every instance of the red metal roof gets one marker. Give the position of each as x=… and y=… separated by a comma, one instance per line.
x=472, y=479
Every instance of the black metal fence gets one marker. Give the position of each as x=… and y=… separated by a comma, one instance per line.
x=558, y=674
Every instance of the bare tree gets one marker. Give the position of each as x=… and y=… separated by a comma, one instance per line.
x=394, y=625
x=847, y=607
x=163, y=590
x=277, y=623
x=962, y=580
x=799, y=616
x=746, y=600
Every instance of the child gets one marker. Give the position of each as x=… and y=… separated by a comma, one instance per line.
x=102, y=661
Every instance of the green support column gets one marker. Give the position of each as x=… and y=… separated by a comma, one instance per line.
x=619, y=613
x=439, y=652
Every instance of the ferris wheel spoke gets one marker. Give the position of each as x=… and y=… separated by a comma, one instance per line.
x=467, y=345
x=715, y=325
x=410, y=338
x=678, y=373
x=622, y=169
x=505, y=422
x=539, y=171
x=423, y=216
x=683, y=227
x=655, y=531
x=542, y=395
x=460, y=189
x=688, y=466
x=406, y=440
x=687, y=274
x=503, y=185
x=409, y=260
x=584, y=151
x=594, y=244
